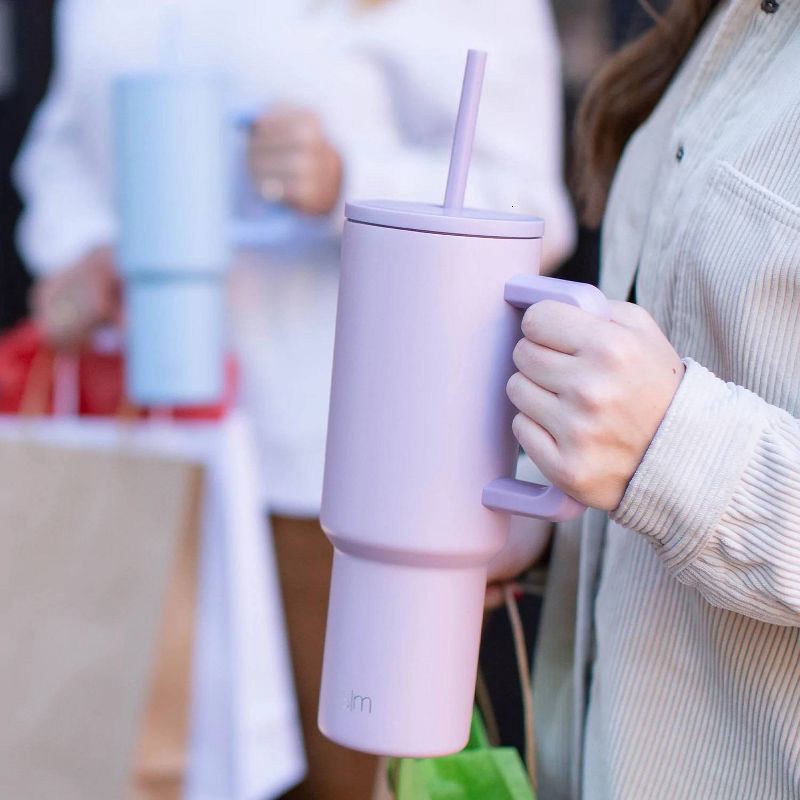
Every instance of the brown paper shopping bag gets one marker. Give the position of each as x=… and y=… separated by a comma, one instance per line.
x=161, y=759
x=98, y=554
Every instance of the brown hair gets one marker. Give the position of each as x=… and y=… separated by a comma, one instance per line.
x=622, y=95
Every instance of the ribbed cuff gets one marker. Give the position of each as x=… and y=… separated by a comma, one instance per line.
x=693, y=466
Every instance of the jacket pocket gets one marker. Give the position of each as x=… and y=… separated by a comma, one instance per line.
x=737, y=298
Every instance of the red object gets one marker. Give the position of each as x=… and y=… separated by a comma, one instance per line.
x=101, y=379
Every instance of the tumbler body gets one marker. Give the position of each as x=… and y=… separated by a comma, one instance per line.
x=171, y=175
x=176, y=340
x=419, y=424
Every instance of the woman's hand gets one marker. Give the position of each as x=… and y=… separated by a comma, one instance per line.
x=292, y=161
x=70, y=304
x=591, y=395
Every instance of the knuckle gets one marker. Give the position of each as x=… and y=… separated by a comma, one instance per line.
x=613, y=350
x=591, y=395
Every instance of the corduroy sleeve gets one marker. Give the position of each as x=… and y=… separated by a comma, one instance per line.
x=718, y=494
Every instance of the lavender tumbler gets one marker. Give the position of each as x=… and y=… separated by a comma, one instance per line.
x=419, y=463
x=418, y=487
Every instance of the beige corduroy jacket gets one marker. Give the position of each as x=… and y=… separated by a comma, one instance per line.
x=668, y=664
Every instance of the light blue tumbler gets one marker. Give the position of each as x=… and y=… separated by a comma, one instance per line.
x=172, y=195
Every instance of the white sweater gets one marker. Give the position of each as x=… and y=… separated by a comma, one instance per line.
x=669, y=662
x=385, y=81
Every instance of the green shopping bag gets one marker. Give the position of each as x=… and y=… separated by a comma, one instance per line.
x=479, y=772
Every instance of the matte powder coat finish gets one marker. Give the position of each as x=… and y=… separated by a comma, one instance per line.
x=420, y=364
x=419, y=426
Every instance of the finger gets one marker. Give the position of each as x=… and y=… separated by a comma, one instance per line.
x=540, y=446
x=535, y=403
x=283, y=165
x=559, y=326
x=545, y=367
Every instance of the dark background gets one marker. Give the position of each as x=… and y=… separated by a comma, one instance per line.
x=29, y=40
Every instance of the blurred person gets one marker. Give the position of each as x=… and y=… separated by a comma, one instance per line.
x=348, y=99
x=668, y=658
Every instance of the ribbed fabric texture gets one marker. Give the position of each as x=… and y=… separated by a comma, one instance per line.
x=724, y=510
x=689, y=686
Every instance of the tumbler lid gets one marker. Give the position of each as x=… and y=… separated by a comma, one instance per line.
x=434, y=218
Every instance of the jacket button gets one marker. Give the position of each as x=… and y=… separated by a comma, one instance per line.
x=679, y=153
x=769, y=6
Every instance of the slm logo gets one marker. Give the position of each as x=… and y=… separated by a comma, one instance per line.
x=358, y=702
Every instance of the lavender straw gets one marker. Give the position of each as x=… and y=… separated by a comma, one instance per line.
x=464, y=136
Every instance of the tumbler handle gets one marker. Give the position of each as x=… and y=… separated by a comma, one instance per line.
x=521, y=497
